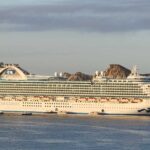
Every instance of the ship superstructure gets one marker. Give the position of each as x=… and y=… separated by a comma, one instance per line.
x=23, y=92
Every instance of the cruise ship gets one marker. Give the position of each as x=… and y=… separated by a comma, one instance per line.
x=21, y=92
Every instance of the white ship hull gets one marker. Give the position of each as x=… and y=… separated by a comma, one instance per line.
x=61, y=105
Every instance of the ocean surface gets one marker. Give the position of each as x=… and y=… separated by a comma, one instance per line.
x=52, y=132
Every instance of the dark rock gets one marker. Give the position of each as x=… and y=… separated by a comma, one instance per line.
x=117, y=71
x=79, y=76
x=66, y=75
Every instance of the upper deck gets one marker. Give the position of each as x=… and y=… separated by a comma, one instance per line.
x=14, y=81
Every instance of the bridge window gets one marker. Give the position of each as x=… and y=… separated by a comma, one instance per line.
x=10, y=72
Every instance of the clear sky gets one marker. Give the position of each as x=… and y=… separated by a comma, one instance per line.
x=45, y=36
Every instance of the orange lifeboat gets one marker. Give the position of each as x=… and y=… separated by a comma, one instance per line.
x=113, y=100
x=103, y=100
x=136, y=101
x=83, y=99
x=124, y=100
x=91, y=99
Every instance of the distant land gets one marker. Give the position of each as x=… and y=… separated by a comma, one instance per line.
x=115, y=71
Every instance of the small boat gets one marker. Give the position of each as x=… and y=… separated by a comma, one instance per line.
x=27, y=113
x=94, y=113
x=1, y=112
x=61, y=112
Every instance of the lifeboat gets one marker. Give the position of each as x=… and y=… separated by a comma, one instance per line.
x=124, y=100
x=35, y=96
x=113, y=100
x=83, y=99
x=103, y=100
x=136, y=101
x=91, y=99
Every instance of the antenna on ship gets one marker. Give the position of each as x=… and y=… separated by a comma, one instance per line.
x=102, y=73
x=134, y=71
x=97, y=73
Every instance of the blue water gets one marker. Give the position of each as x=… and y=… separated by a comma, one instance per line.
x=54, y=132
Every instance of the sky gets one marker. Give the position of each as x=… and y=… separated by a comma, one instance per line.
x=47, y=36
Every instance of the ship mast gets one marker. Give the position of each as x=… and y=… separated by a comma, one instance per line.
x=134, y=71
